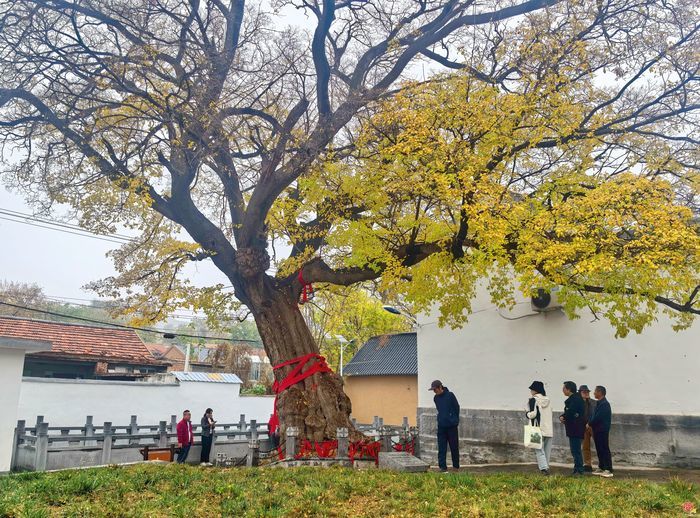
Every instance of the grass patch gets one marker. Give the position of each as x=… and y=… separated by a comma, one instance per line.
x=175, y=490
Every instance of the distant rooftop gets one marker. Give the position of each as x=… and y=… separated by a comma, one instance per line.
x=79, y=340
x=386, y=355
x=166, y=352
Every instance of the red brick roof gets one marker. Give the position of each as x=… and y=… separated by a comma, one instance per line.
x=77, y=340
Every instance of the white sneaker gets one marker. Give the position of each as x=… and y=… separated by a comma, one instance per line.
x=607, y=474
x=203, y=464
x=598, y=472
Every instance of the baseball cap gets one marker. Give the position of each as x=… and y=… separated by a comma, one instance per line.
x=435, y=384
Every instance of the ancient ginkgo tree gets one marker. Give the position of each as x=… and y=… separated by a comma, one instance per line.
x=561, y=150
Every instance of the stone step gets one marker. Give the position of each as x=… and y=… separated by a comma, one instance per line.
x=402, y=461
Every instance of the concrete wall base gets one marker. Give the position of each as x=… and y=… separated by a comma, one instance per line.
x=79, y=457
x=495, y=436
x=319, y=463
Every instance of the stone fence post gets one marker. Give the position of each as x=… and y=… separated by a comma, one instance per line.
x=291, y=443
x=172, y=427
x=133, y=430
x=17, y=440
x=241, y=424
x=89, y=432
x=107, y=439
x=253, y=429
x=39, y=420
x=415, y=433
x=343, y=443
x=253, y=457
x=41, y=445
x=163, y=434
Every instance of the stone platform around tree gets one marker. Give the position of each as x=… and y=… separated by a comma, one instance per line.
x=402, y=461
x=315, y=462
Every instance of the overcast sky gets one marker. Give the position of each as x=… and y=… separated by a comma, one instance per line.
x=62, y=263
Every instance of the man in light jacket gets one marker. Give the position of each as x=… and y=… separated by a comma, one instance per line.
x=448, y=424
x=540, y=414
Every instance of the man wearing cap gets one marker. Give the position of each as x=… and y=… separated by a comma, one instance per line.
x=448, y=424
x=588, y=409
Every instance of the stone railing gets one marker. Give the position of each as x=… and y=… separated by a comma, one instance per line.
x=390, y=438
x=43, y=447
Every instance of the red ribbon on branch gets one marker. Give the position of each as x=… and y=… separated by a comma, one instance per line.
x=307, y=290
x=297, y=374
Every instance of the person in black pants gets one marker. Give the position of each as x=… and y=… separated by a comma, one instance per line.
x=575, y=424
x=448, y=424
x=600, y=424
x=208, y=424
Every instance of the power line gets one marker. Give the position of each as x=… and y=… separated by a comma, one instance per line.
x=71, y=226
x=69, y=301
x=55, y=229
x=122, y=326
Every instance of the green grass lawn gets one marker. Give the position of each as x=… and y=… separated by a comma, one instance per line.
x=172, y=490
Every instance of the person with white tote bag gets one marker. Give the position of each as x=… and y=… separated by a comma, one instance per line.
x=539, y=411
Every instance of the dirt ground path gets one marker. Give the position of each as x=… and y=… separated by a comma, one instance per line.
x=654, y=474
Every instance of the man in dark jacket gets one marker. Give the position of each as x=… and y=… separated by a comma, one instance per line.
x=448, y=424
x=600, y=424
x=575, y=424
x=588, y=408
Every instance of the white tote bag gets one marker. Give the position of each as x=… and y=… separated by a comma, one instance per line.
x=532, y=437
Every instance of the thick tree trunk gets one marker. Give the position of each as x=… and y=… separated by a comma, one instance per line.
x=316, y=405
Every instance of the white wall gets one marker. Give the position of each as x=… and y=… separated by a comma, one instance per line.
x=491, y=361
x=11, y=365
x=67, y=402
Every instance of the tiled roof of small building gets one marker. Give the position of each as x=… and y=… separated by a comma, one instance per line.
x=386, y=355
x=207, y=377
x=80, y=341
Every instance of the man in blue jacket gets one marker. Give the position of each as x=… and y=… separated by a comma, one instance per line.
x=448, y=424
x=600, y=424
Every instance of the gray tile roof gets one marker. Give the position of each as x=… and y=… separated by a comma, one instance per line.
x=385, y=355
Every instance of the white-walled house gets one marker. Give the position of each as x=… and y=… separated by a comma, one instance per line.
x=651, y=379
x=12, y=353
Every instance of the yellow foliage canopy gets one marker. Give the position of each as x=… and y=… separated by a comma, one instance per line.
x=479, y=182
